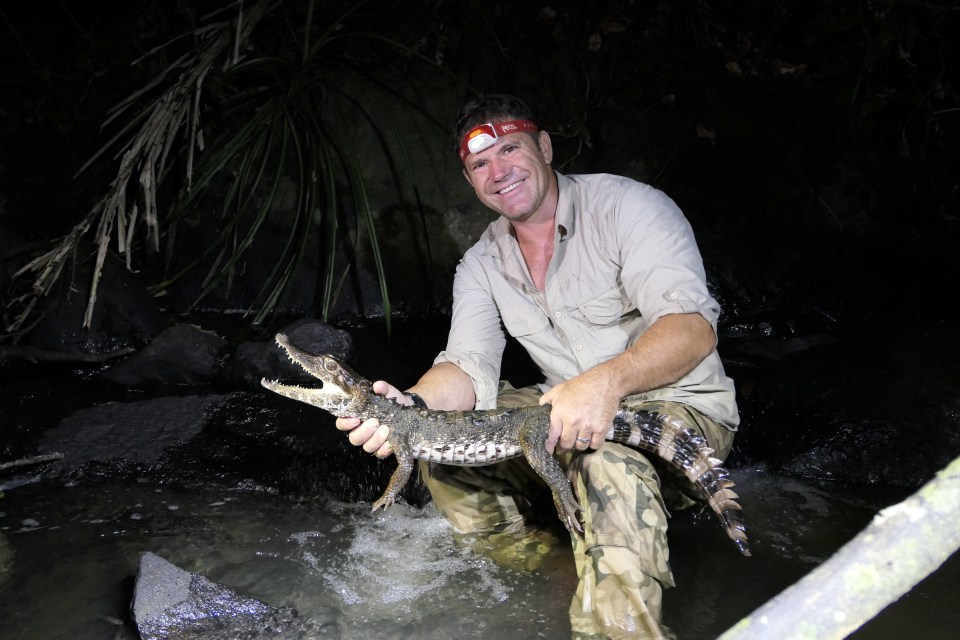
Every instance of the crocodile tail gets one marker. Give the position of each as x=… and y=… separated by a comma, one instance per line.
x=680, y=445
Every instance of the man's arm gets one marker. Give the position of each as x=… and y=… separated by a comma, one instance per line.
x=584, y=406
x=444, y=386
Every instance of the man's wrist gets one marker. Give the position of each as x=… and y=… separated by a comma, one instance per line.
x=417, y=400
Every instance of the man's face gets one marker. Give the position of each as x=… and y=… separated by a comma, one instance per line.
x=513, y=177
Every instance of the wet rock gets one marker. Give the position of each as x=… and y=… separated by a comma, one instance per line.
x=6, y=559
x=172, y=604
x=255, y=360
x=883, y=412
x=182, y=354
x=124, y=314
x=139, y=433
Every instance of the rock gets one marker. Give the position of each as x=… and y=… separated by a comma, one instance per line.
x=172, y=604
x=255, y=360
x=182, y=354
x=124, y=314
x=6, y=559
x=160, y=585
x=134, y=432
x=872, y=412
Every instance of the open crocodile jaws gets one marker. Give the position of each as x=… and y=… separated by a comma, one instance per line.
x=468, y=438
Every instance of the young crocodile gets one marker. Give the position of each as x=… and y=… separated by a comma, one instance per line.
x=486, y=437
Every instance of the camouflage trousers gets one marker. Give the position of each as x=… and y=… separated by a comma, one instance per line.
x=623, y=561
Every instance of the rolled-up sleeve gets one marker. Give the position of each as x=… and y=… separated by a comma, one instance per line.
x=476, y=341
x=662, y=270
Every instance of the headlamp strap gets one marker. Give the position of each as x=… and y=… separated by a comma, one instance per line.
x=484, y=135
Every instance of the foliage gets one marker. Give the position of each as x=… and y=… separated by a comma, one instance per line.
x=834, y=120
x=258, y=97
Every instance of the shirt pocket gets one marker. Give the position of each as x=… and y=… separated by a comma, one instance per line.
x=606, y=308
x=520, y=325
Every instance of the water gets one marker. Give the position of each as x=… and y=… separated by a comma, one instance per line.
x=402, y=573
x=69, y=554
x=387, y=575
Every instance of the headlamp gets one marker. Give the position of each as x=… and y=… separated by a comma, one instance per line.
x=483, y=136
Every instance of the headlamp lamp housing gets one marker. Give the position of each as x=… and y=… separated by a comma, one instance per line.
x=483, y=136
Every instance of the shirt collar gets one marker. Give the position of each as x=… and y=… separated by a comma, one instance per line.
x=504, y=246
x=566, y=218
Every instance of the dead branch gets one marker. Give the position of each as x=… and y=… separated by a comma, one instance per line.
x=903, y=545
x=23, y=462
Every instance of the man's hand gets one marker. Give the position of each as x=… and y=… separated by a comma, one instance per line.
x=584, y=406
x=582, y=411
x=370, y=434
x=443, y=386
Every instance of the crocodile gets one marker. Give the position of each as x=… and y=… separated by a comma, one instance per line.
x=482, y=437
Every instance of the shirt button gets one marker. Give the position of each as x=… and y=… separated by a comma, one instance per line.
x=579, y=347
x=674, y=295
x=558, y=314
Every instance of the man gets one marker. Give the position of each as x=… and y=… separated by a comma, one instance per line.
x=600, y=279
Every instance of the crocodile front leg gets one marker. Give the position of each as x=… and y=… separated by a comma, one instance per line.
x=399, y=478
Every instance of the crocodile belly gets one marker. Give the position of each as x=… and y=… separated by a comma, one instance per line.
x=465, y=453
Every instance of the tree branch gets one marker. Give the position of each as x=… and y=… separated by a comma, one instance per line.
x=23, y=462
x=904, y=544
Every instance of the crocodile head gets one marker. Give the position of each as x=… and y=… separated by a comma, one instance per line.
x=342, y=392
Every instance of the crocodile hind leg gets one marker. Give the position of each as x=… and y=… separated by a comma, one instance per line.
x=399, y=478
x=533, y=438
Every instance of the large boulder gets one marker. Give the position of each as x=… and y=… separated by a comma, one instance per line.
x=883, y=412
x=124, y=315
x=182, y=354
x=6, y=559
x=265, y=359
x=138, y=433
x=172, y=604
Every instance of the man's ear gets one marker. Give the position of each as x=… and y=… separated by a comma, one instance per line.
x=546, y=146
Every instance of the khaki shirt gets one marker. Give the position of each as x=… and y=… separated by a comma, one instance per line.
x=624, y=255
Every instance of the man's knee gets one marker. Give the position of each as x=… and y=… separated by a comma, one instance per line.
x=509, y=397
x=507, y=496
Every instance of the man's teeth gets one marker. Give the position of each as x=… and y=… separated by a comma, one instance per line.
x=510, y=188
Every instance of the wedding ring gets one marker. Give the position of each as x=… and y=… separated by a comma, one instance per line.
x=583, y=440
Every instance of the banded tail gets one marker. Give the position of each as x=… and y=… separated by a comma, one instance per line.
x=689, y=452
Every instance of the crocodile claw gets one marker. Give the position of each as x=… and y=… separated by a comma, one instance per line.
x=384, y=502
x=567, y=509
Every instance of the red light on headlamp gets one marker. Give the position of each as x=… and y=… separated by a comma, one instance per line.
x=483, y=136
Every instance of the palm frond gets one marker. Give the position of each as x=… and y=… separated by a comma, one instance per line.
x=229, y=121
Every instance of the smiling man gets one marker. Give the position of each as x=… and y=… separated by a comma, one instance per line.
x=599, y=278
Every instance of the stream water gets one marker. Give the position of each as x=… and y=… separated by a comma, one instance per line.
x=71, y=554
x=69, y=551
x=400, y=574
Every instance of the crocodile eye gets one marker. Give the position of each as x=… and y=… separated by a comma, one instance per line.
x=330, y=365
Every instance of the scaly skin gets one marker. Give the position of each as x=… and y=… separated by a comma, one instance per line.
x=486, y=437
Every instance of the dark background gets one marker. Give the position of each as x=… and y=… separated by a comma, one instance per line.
x=812, y=144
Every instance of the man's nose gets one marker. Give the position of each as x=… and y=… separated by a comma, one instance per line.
x=499, y=169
